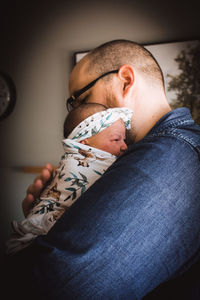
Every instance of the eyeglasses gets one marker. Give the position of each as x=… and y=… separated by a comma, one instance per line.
x=71, y=103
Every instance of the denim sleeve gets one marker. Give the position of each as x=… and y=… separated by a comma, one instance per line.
x=136, y=227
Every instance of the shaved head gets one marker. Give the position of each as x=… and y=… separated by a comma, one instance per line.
x=112, y=55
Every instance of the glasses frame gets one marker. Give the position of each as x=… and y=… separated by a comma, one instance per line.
x=70, y=100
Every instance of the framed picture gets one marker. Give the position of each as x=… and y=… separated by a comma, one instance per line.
x=180, y=63
x=79, y=55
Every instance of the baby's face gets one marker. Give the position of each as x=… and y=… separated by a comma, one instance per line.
x=110, y=139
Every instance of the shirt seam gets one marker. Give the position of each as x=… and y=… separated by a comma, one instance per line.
x=190, y=142
x=173, y=124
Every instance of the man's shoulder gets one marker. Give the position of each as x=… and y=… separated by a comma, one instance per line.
x=176, y=125
x=167, y=146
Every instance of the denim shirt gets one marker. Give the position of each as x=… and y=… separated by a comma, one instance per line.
x=178, y=123
x=137, y=227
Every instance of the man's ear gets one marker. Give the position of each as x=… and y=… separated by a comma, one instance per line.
x=126, y=74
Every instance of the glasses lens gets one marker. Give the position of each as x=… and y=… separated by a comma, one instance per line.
x=72, y=103
x=68, y=105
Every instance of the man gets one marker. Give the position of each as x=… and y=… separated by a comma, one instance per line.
x=146, y=98
x=138, y=226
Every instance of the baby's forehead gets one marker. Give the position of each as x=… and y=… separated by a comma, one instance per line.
x=115, y=119
x=117, y=127
x=120, y=122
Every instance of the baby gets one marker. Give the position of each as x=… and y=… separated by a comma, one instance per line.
x=94, y=138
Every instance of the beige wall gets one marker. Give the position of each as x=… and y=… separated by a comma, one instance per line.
x=38, y=39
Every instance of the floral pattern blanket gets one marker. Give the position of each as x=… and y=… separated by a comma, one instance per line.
x=79, y=168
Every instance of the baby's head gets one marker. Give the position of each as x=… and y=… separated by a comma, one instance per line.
x=111, y=137
x=79, y=114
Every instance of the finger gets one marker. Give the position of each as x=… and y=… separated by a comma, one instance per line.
x=27, y=204
x=35, y=188
x=49, y=167
x=33, y=192
x=45, y=174
x=38, y=184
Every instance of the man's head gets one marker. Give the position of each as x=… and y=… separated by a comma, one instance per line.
x=137, y=82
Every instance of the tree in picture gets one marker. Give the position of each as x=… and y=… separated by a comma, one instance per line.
x=187, y=83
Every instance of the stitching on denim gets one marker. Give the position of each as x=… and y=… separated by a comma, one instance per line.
x=175, y=123
x=174, y=133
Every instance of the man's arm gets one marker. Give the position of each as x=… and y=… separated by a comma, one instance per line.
x=135, y=228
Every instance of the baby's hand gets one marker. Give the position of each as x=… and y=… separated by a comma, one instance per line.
x=34, y=190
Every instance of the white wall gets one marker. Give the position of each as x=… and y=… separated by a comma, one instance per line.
x=38, y=39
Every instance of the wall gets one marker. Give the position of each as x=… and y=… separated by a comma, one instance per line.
x=38, y=39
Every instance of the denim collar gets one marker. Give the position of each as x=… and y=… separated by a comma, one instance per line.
x=176, y=117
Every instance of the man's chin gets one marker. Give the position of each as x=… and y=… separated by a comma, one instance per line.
x=130, y=137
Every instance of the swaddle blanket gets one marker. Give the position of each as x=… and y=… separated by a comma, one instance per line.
x=80, y=166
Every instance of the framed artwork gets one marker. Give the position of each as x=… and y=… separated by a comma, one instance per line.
x=180, y=63
x=79, y=55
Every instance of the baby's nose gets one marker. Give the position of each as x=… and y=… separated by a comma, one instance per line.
x=124, y=147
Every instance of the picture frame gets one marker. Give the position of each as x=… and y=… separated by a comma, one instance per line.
x=78, y=55
x=178, y=61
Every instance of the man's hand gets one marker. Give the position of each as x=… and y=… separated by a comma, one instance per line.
x=35, y=189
